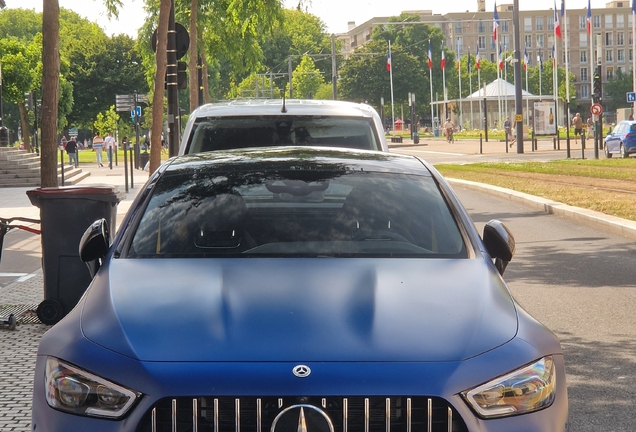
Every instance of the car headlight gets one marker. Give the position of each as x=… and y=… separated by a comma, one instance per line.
x=71, y=389
x=524, y=390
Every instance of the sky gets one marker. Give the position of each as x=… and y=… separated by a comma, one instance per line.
x=334, y=13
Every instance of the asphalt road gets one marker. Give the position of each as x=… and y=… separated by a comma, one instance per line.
x=581, y=283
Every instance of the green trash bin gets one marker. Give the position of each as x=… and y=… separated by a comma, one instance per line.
x=65, y=213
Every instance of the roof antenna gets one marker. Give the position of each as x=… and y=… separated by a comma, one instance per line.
x=283, y=109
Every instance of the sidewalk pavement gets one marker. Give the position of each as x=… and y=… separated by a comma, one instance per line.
x=18, y=348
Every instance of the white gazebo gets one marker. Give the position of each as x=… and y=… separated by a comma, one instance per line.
x=499, y=97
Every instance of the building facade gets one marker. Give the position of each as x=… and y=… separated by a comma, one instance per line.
x=467, y=31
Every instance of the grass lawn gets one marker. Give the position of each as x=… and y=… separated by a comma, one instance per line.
x=605, y=185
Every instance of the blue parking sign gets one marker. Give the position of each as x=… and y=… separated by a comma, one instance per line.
x=631, y=97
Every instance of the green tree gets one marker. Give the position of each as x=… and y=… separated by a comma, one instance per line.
x=306, y=79
x=364, y=76
x=615, y=89
x=107, y=121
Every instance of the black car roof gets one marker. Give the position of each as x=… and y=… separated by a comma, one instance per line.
x=298, y=157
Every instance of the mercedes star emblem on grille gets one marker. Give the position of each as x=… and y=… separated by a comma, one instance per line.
x=302, y=418
x=301, y=371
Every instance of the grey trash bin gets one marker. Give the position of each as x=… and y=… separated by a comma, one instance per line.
x=65, y=213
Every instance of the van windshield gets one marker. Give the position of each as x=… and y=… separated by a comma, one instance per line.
x=223, y=133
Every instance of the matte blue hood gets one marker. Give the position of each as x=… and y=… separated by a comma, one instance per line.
x=313, y=309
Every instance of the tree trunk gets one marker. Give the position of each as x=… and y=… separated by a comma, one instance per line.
x=204, y=65
x=50, y=91
x=160, y=80
x=24, y=121
x=192, y=62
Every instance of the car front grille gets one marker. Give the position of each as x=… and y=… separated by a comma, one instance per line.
x=302, y=414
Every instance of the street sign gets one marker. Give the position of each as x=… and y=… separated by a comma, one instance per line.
x=596, y=109
x=518, y=118
x=631, y=97
x=124, y=102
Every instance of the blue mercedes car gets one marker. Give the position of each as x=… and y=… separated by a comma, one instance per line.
x=298, y=289
x=622, y=140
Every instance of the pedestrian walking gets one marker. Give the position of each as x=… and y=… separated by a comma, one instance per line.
x=110, y=146
x=577, y=123
x=71, y=150
x=98, y=146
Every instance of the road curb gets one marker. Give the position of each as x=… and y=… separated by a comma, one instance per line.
x=613, y=224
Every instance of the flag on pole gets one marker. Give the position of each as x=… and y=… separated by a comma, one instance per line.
x=495, y=23
x=443, y=62
x=501, y=66
x=588, y=17
x=430, y=56
x=634, y=6
x=554, y=65
x=458, y=62
x=525, y=59
x=468, y=64
x=557, y=25
x=388, y=60
x=477, y=59
x=562, y=7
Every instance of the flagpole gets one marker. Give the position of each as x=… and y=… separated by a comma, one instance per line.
x=505, y=84
x=498, y=87
x=459, y=75
x=444, y=82
x=567, y=64
x=391, y=75
x=470, y=90
x=481, y=112
x=527, y=97
x=540, y=74
x=430, y=71
x=633, y=52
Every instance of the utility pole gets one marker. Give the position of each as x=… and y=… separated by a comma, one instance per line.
x=334, y=75
x=517, y=74
x=289, y=71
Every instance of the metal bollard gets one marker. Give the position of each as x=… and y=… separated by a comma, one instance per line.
x=132, y=185
x=506, y=141
x=554, y=143
x=481, y=147
x=62, y=162
x=582, y=146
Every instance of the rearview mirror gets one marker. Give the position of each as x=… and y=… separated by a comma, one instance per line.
x=500, y=244
x=94, y=245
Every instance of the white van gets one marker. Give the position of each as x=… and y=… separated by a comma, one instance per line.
x=274, y=122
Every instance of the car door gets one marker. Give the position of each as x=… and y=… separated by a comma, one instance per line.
x=614, y=138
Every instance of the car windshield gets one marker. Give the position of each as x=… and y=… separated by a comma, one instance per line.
x=223, y=133
x=283, y=214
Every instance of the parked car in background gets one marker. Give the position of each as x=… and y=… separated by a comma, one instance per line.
x=622, y=140
x=298, y=289
x=273, y=122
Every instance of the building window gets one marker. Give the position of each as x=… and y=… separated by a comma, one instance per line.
x=504, y=26
x=620, y=38
x=528, y=39
x=550, y=23
x=609, y=39
x=620, y=56
x=540, y=41
x=505, y=42
x=481, y=27
x=458, y=27
x=609, y=73
x=582, y=56
x=582, y=39
x=609, y=56
x=493, y=45
x=539, y=23
x=481, y=42
x=596, y=19
x=492, y=57
x=620, y=21
x=609, y=21
x=585, y=92
x=459, y=44
x=583, y=74
x=582, y=22
x=620, y=69
x=527, y=24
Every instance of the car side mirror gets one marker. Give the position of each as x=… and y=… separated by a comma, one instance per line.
x=94, y=245
x=500, y=244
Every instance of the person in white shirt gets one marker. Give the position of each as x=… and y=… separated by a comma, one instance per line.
x=110, y=145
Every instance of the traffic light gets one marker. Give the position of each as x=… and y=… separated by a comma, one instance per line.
x=182, y=75
x=28, y=101
x=597, y=91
